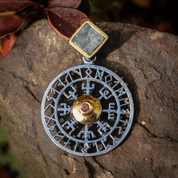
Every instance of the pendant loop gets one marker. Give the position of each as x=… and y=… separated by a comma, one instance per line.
x=89, y=61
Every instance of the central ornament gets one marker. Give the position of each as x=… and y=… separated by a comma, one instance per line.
x=86, y=109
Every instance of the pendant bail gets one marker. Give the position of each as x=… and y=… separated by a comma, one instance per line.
x=89, y=61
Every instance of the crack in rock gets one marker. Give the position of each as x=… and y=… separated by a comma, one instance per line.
x=17, y=76
x=168, y=138
x=100, y=165
x=90, y=168
x=28, y=89
x=66, y=171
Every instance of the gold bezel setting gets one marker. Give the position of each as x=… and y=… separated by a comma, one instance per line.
x=79, y=48
x=92, y=115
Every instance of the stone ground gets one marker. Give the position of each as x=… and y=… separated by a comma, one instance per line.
x=147, y=60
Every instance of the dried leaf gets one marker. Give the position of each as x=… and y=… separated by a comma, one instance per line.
x=64, y=3
x=65, y=20
x=14, y=5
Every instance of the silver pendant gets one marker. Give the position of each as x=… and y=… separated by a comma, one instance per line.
x=87, y=110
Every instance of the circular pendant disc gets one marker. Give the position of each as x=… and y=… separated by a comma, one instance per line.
x=87, y=110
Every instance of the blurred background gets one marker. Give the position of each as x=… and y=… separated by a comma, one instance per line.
x=155, y=14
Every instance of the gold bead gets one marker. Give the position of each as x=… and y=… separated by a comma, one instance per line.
x=86, y=109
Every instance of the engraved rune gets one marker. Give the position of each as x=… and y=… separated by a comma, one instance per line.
x=99, y=74
x=88, y=72
x=103, y=127
x=125, y=122
x=66, y=143
x=61, y=83
x=86, y=147
x=49, y=106
x=59, y=135
x=120, y=91
x=50, y=118
x=66, y=109
x=108, y=78
x=104, y=93
x=70, y=125
x=124, y=101
x=78, y=72
x=68, y=78
x=125, y=111
x=110, y=111
x=98, y=149
x=102, y=141
x=52, y=127
x=88, y=88
x=54, y=91
x=115, y=140
x=116, y=83
x=50, y=98
x=71, y=93
x=120, y=128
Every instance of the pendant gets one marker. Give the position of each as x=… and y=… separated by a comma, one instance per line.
x=87, y=110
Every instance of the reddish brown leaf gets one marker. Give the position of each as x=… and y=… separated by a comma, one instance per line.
x=65, y=20
x=10, y=22
x=64, y=3
x=6, y=44
x=14, y=5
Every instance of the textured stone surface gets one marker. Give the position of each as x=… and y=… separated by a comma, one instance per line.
x=147, y=61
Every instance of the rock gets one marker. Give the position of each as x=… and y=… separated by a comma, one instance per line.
x=146, y=59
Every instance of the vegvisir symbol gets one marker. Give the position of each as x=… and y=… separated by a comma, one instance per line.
x=97, y=135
